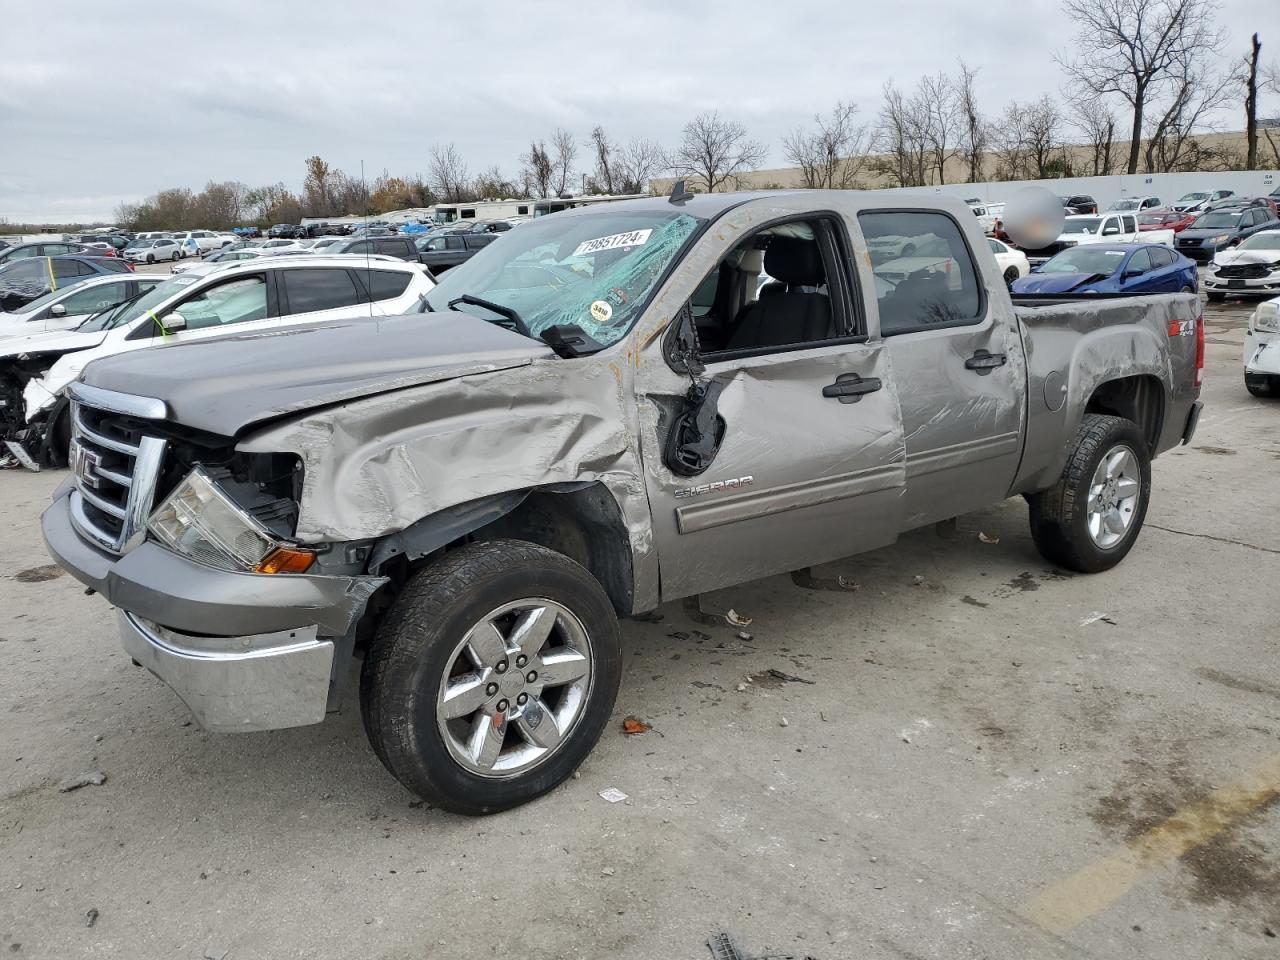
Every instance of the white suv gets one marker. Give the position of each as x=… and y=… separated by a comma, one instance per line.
x=237, y=298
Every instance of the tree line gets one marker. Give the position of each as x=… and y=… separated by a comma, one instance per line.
x=1143, y=80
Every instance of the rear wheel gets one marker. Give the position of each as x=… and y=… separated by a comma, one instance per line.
x=1090, y=518
x=151, y=258
x=1186, y=288
x=174, y=258
x=1262, y=384
x=492, y=677
x=1010, y=275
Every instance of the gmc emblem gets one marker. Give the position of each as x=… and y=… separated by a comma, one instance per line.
x=84, y=465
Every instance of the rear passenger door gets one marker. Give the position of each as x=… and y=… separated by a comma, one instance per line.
x=956, y=356
x=309, y=294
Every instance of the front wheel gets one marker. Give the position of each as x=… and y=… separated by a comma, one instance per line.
x=174, y=258
x=151, y=258
x=1088, y=521
x=492, y=676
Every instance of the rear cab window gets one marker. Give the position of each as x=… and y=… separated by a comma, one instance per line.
x=924, y=272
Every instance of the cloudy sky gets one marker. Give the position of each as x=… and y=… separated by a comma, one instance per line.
x=102, y=102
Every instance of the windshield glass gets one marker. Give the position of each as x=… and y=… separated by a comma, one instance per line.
x=1086, y=225
x=1149, y=218
x=131, y=310
x=1084, y=260
x=1194, y=196
x=594, y=271
x=1259, y=241
x=1211, y=221
x=1125, y=205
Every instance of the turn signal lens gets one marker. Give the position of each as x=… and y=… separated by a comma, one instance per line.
x=286, y=560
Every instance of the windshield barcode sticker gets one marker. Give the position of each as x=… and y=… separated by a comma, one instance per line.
x=636, y=238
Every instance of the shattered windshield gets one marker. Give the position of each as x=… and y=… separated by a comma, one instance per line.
x=1211, y=221
x=594, y=271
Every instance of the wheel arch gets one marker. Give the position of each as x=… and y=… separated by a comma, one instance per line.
x=1140, y=398
x=583, y=521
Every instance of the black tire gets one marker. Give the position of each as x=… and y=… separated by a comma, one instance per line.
x=1215, y=296
x=151, y=258
x=175, y=256
x=1186, y=289
x=1262, y=385
x=1059, y=518
x=407, y=659
x=1010, y=275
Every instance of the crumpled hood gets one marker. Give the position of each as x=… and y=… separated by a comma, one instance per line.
x=56, y=341
x=225, y=384
x=1236, y=255
x=1051, y=282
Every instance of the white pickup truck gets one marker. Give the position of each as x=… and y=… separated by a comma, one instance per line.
x=1100, y=228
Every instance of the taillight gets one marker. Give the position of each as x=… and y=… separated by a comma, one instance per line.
x=1199, y=349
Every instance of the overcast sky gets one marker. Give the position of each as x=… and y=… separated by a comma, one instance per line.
x=105, y=102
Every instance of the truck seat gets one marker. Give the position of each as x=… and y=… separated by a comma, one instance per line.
x=787, y=315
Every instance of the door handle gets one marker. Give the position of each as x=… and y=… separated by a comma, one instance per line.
x=983, y=362
x=850, y=388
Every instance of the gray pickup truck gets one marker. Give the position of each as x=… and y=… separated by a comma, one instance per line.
x=603, y=410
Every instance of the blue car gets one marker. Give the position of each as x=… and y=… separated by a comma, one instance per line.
x=1116, y=268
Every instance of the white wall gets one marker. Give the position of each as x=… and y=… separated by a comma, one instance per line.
x=1106, y=190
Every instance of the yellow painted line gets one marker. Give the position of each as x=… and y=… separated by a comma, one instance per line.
x=1092, y=889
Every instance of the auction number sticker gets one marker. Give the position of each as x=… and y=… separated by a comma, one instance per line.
x=601, y=311
x=635, y=238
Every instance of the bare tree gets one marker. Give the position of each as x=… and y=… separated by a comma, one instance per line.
x=639, y=162
x=833, y=153
x=1094, y=119
x=491, y=184
x=536, y=170
x=1271, y=81
x=1195, y=93
x=1128, y=48
x=976, y=134
x=1251, y=105
x=901, y=140
x=448, y=173
x=317, y=188
x=565, y=153
x=715, y=152
x=937, y=107
x=606, y=172
x=1043, y=131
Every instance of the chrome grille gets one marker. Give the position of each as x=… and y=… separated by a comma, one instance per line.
x=116, y=468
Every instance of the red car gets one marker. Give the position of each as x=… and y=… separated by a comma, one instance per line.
x=1165, y=220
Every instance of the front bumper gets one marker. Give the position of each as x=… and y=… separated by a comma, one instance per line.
x=263, y=681
x=1262, y=353
x=1267, y=286
x=244, y=651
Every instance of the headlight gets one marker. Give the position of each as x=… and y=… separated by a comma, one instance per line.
x=1267, y=317
x=198, y=520
x=1221, y=238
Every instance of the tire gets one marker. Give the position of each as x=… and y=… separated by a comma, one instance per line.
x=1060, y=516
x=422, y=644
x=1262, y=385
x=1216, y=297
x=174, y=258
x=1186, y=289
x=151, y=258
x=908, y=250
x=1010, y=275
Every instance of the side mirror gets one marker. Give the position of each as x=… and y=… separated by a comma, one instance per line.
x=57, y=310
x=1130, y=274
x=174, y=322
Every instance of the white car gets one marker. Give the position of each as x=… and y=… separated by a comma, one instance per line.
x=1262, y=351
x=239, y=298
x=1252, y=267
x=153, y=251
x=1109, y=228
x=1134, y=205
x=202, y=241
x=278, y=244
x=323, y=243
x=1013, y=263
x=69, y=307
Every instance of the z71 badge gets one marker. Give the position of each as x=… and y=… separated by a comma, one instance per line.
x=684, y=493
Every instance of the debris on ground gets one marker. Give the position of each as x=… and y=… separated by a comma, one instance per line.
x=986, y=538
x=607, y=872
x=650, y=617
x=742, y=688
x=50, y=571
x=917, y=580
x=805, y=578
x=92, y=778
x=1096, y=617
x=784, y=722
x=216, y=953
x=772, y=679
x=722, y=947
x=973, y=601
x=91, y=917
x=633, y=725
x=735, y=619
x=743, y=635
x=612, y=794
